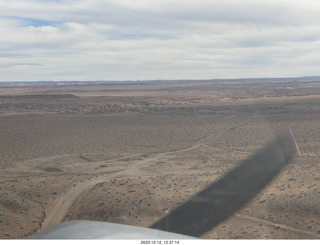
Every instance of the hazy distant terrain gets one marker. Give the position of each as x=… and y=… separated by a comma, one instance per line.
x=131, y=152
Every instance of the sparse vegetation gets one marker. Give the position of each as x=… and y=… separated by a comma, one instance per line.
x=142, y=149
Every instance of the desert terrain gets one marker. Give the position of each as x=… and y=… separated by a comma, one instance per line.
x=130, y=152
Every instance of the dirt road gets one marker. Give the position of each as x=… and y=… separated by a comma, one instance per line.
x=64, y=203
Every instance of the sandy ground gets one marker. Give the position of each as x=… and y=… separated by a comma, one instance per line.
x=130, y=153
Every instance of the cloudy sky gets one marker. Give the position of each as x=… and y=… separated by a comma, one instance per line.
x=158, y=39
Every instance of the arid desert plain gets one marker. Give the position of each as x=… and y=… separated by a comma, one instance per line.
x=130, y=153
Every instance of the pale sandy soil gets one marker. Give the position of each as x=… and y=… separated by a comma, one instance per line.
x=131, y=153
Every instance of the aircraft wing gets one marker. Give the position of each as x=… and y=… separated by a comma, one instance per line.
x=83, y=229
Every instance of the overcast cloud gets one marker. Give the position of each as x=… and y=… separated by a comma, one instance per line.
x=158, y=39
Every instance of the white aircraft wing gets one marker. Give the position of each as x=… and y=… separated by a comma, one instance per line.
x=82, y=229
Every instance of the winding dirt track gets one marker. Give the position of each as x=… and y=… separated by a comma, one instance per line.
x=282, y=226
x=64, y=203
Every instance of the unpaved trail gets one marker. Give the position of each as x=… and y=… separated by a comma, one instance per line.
x=64, y=203
x=214, y=137
x=282, y=226
x=62, y=206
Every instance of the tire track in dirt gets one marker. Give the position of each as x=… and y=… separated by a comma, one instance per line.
x=275, y=225
x=214, y=137
x=65, y=202
x=63, y=205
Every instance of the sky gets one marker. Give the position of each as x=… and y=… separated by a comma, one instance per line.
x=90, y=40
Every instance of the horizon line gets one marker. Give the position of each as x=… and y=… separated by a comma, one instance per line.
x=159, y=80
